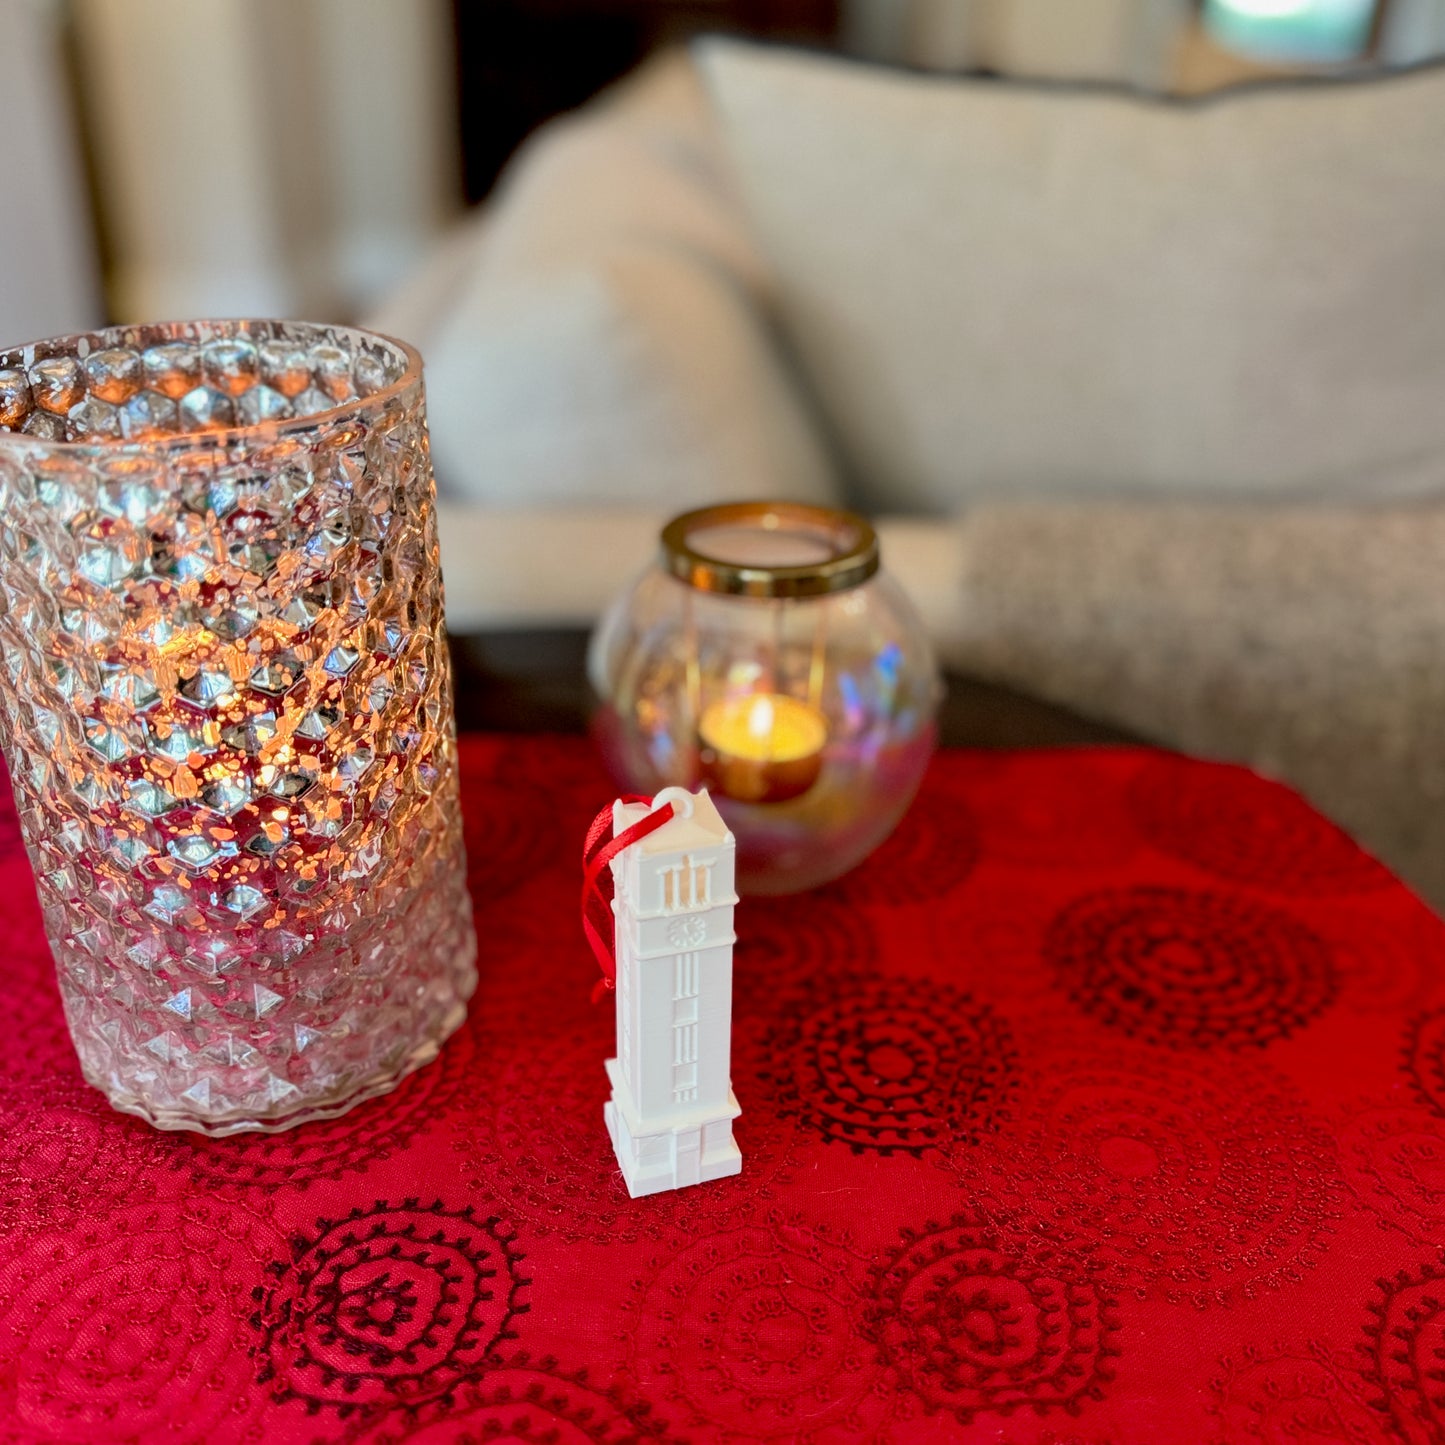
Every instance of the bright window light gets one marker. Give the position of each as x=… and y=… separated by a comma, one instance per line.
x=1267, y=9
x=1305, y=32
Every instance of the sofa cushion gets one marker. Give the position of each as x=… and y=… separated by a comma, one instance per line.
x=642, y=377
x=600, y=335
x=1032, y=290
x=1303, y=641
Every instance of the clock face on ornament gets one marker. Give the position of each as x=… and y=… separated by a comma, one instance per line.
x=686, y=932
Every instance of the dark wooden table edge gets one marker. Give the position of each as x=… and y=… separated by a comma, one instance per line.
x=529, y=680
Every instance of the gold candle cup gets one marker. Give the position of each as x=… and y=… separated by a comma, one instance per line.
x=765, y=748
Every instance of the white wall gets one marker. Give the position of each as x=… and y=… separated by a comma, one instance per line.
x=267, y=157
x=47, y=261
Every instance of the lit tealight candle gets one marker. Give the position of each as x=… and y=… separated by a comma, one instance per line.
x=762, y=749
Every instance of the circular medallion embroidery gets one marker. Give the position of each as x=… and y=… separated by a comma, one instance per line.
x=64, y=1154
x=890, y=1065
x=754, y=1332
x=1425, y=1059
x=527, y=803
x=529, y=1402
x=972, y=1327
x=393, y=1305
x=512, y=835
x=1395, y=1163
x=1388, y=963
x=928, y=855
x=790, y=942
x=1404, y=1350
x=1176, y=1186
x=1170, y=966
x=1237, y=825
x=332, y=1148
x=535, y=1141
x=1306, y=1392
x=134, y=1328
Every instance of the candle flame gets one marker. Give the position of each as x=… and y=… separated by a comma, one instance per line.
x=760, y=717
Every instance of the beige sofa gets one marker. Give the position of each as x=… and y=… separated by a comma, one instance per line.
x=1145, y=394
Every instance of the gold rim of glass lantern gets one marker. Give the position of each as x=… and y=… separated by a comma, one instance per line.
x=852, y=560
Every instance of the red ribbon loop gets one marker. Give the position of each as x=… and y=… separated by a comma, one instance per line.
x=600, y=849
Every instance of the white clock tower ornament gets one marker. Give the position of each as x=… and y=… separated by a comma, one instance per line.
x=672, y=1107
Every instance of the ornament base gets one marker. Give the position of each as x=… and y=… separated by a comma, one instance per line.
x=697, y=1145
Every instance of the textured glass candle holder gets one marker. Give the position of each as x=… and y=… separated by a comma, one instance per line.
x=227, y=713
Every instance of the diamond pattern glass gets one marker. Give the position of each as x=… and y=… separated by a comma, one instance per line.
x=226, y=707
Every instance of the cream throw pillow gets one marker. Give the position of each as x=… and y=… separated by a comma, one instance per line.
x=1020, y=290
x=599, y=336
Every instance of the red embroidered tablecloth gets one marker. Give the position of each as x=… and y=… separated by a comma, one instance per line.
x=1105, y=1104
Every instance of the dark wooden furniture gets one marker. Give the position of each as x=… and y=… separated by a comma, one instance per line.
x=535, y=681
x=520, y=62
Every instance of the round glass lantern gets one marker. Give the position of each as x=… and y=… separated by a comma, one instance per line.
x=766, y=657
